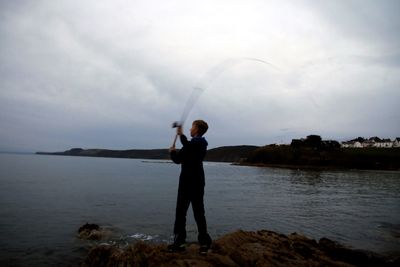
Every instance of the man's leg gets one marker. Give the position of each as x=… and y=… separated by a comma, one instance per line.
x=199, y=215
x=182, y=204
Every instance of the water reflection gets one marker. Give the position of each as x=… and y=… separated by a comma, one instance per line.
x=358, y=208
x=312, y=178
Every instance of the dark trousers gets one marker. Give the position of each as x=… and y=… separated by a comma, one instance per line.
x=196, y=197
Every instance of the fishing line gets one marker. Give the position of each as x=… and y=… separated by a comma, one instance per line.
x=209, y=77
x=212, y=74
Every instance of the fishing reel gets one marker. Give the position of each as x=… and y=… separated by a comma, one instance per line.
x=176, y=124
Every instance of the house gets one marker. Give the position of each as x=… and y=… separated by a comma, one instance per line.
x=385, y=143
x=396, y=142
x=352, y=144
x=371, y=142
x=368, y=143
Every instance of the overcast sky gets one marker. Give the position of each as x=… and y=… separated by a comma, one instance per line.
x=116, y=74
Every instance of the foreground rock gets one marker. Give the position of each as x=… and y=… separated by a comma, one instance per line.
x=262, y=248
x=91, y=231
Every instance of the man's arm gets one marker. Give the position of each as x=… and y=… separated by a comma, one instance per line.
x=174, y=154
x=184, y=140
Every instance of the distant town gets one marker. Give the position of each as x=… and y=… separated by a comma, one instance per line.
x=361, y=142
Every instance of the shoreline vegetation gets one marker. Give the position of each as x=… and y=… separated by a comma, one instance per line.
x=309, y=153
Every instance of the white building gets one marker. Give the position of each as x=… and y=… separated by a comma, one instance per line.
x=385, y=143
x=353, y=144
x=372, y=142
x=396, y=142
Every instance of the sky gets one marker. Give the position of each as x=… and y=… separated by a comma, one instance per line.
x=116, y=74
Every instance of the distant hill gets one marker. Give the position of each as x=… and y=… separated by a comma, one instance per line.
x=107, y=153
x=325, y=157
x=220, y=154
x=308, y=153
x=230, y=153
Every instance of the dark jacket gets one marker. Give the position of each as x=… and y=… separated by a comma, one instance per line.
x=191, y=156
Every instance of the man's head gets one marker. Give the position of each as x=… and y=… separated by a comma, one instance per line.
x=199, y=128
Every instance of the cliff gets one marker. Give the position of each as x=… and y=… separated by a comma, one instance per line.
x=240, y=248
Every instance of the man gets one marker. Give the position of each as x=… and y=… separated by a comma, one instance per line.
x=191, y=186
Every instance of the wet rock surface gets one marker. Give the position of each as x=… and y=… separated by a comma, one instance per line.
x=90, y=231
x=240, y=248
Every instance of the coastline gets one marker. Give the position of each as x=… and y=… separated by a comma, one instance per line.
x=241, y=248
x=309, y=167
x=269, y=156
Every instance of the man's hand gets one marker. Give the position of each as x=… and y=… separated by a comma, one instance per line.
x=172, y=148
x=179, y=130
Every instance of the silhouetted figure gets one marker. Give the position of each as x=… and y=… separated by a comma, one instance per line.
x=191, y=186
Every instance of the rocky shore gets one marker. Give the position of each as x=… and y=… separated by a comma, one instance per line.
x=240, y=248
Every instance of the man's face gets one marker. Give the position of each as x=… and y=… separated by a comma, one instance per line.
x=193, y=131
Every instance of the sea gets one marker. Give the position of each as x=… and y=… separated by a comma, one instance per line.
x=45, y=199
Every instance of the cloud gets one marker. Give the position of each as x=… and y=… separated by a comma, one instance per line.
x=369, y=21
x=117, y=74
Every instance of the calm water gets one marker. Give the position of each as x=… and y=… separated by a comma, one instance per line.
x=45, y=199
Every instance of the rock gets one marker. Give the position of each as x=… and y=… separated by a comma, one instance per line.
x=240, y=248
x=88, y=227
x=92, y=232
x=356, y=257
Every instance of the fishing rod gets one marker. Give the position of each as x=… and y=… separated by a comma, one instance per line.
x=206, y=82
x=194, y=96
